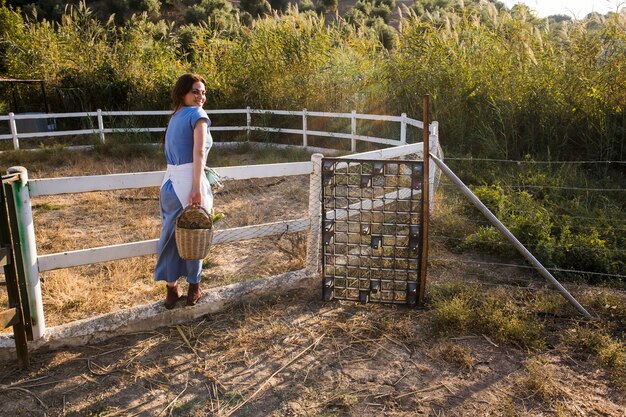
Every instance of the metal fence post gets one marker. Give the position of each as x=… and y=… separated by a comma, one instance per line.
x=353, y=131
x=9, y=261
x=101, y=126
x=315, y=216
x=403, y=129
x=248, y=123
x=28, y=250
x=304, y=127
x=13, y=127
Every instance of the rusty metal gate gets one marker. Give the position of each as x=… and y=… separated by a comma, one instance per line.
x=14, y=281
x=373, y=235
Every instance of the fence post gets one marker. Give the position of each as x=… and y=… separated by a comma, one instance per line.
x=403, y=129
x=426, y=204
x=315, y=216
x=101, y=126
x=353, y=131
x=11, y=264
x=13, y=127
x=435, y=172
x=28, y=250
x=248, y=123
x=304, y=127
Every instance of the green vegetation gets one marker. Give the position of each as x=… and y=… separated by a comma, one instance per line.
x=531, y=320
x=542, y=207
x=462, y=308
x=48, y=207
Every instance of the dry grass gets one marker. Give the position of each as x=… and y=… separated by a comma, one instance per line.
x=456, y=354
x=537, y=380
x=81, y=221
x=297, y=357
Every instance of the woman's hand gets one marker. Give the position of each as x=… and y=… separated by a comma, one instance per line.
x=195, y=197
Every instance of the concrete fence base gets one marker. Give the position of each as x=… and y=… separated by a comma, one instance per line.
x=151, y=316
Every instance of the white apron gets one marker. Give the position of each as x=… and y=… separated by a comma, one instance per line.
x=182, y=178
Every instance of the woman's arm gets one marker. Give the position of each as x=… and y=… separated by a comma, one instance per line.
x=199, y=140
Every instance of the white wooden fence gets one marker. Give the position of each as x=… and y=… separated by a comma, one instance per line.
x=101, y=130
x=53, y=186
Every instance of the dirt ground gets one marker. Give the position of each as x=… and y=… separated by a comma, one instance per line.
x=298, y=356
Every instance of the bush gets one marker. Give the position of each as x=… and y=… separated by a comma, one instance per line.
x=534, y=217
x=255, y=7
x=330, y=5
x=529, y=222
x=280, y=5
x=218, y=11
x=609, y=351
x=152, y=7
x=306, y=6
x=584, y=252
x=495, y=313
x=387, y=35
x=196, y=14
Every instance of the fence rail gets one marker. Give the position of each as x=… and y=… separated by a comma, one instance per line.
x=101, y=130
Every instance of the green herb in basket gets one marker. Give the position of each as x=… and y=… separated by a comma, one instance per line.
x=195, y=217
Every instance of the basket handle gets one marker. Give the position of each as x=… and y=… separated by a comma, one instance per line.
x=194, y=206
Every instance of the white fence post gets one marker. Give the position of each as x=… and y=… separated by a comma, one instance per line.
x=353, y=131
x=435, y=172
x=101, y=126
x=28, y=249
x=403, y=129
x=248, y=122
x=304, y=126
x=16, y=142
x=315, y=216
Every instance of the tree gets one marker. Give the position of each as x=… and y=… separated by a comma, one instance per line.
x=279, y=4
x=558, y=18
x=255, y=7
x=152, y=7
x=330, y=5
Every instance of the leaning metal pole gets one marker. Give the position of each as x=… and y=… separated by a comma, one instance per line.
x=518, y=245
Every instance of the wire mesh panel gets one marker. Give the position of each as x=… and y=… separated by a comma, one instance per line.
x=371, y=224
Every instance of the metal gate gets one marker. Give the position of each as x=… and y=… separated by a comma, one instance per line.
x=373, y=234
x=11, y=261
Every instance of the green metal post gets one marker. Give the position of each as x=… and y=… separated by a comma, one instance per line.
x=28, y=250
x=8, y=262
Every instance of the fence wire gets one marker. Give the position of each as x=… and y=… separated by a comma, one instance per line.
x=515, y=161
x=458, y=239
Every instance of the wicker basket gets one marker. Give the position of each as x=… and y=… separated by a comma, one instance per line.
x=194, y=233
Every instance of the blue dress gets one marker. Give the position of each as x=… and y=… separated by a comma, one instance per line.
x=178, y=151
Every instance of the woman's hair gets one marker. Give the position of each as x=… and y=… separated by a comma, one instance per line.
x=182, y=87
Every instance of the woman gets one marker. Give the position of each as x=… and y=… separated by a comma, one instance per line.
x=187, y=143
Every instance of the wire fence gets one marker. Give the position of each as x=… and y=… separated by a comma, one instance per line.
x=552, y=187
x=605, y=261
x=527, y=244
x=516, y=161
